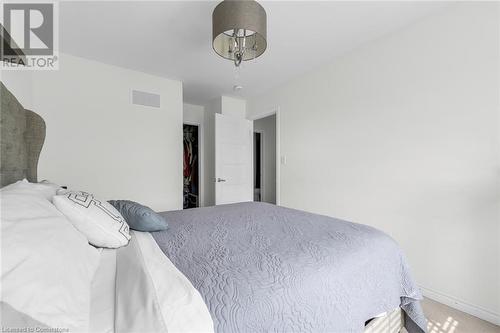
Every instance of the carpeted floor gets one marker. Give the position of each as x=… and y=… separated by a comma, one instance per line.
x=443, y=319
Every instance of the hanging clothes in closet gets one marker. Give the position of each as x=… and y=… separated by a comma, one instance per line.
x=190, y=172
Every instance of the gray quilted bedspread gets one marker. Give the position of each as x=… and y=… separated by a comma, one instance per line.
x=264, y=268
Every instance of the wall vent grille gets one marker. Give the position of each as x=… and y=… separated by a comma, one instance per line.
x=145, y=99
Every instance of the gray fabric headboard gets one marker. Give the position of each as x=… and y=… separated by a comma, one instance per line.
x=22, y=133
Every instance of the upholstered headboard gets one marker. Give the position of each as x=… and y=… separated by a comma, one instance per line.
x=22, y=133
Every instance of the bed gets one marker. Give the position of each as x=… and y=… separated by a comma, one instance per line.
x=246, y=267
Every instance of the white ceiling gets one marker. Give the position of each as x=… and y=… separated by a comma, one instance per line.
x=173, y=39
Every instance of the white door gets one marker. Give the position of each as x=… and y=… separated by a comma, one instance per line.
x=233, y=159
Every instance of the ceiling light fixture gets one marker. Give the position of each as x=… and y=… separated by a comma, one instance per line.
x=239, y=30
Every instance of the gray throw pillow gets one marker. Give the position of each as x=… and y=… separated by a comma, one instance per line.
x=139, y=217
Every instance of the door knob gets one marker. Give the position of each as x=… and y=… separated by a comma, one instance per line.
x=220, y=180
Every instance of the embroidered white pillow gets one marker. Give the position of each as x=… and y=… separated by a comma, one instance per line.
x=100, y=222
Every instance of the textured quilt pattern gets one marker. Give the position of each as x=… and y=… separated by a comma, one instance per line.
x=264, y=268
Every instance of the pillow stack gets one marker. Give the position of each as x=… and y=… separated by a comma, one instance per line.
x=97, y=220
x=47, y=262
x=47, y=265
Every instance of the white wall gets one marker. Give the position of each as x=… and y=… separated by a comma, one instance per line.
x=267, y=126
x=20, y=84
x=99, y=142
x=234, y=107
x=403, y=134
x=195, y=115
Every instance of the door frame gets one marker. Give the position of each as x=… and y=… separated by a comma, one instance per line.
x=201, y=171
x=274, y=111
x=262, y=164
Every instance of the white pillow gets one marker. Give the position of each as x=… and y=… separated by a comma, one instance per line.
x=43, y=189
x=47, y=265
x=100, y=222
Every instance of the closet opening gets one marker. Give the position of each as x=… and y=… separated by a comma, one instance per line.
x=191, y=171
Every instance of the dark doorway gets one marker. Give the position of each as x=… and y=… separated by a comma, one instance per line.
x=257, y=178
x=191, y=167
x=265, y=159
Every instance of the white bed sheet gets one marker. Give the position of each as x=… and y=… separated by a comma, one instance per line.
x=152, y=295
x=102, y=293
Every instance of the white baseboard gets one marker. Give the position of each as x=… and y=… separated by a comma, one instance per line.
x=455, y=303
